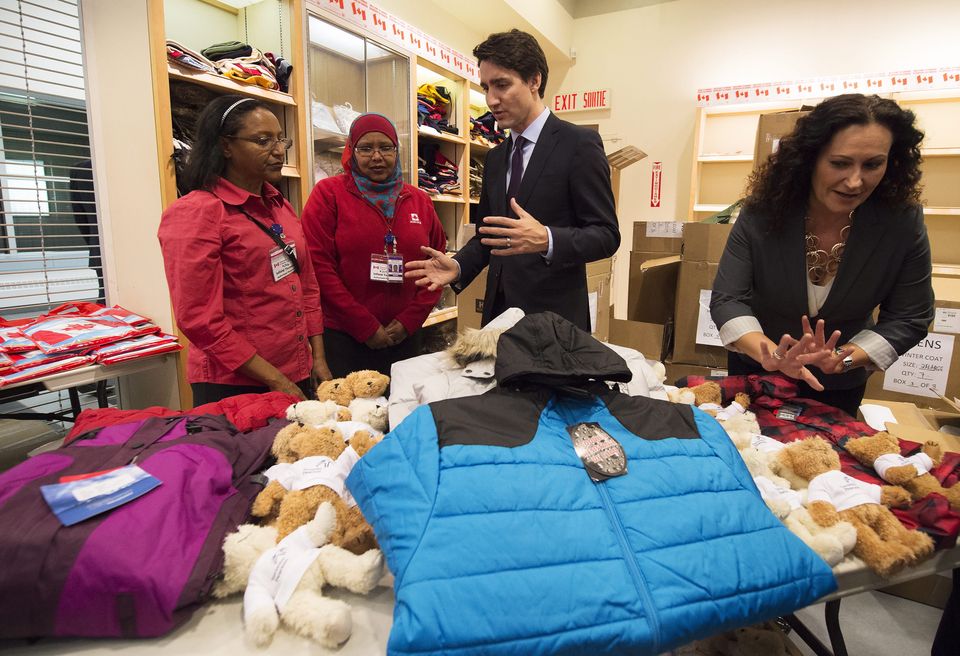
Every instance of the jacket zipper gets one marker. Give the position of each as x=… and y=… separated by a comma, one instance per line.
x=632, y=566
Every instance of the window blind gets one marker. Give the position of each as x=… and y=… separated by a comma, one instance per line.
x=49, y=234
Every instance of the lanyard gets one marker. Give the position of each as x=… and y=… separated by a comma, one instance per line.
x=275, y=232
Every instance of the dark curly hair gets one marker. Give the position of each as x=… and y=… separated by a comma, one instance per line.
x=206, y=162
x=780, y=189
x=517, y=51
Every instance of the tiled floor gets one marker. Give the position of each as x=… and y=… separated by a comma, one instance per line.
x=877, y=624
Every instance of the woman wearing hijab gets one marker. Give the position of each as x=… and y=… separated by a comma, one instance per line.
x=361, y=227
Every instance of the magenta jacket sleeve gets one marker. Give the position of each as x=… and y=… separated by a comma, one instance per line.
x=319, y=221
x=190, y=241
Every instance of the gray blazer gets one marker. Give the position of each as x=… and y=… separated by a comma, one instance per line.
x=566, y=186
x=886, y=263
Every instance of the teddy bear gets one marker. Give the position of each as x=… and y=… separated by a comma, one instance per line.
x=336, y=390
x=318, y=413
x=322, y=461
x=283, y=581
x=882, y=452
x=883, y=543
x=369, y=404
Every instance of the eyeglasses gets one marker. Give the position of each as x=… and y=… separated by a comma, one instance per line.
x=367, y=151
x=266, y=143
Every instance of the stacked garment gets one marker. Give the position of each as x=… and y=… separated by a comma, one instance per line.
x=591, y=521
x=188, y=59
x=476, y=178
x=73, y=335
x=433, y=109
x=484, y=129
x=243, y=63
x=436, y=174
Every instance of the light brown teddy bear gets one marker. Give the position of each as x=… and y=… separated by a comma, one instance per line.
x=883, y=543
x=336, y=390
x=369, y=405
x=882, y=452
x=312, y=468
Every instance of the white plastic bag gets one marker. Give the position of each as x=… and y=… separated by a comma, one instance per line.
x=323, y=118
x=345, y=114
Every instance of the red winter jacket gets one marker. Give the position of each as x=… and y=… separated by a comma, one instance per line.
x=343, y=230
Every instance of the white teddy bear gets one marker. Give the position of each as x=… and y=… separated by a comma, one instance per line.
x=317, y=413
x=284, y=581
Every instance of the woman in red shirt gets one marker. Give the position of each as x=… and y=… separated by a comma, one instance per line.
x=242, y=285
x=361, y=227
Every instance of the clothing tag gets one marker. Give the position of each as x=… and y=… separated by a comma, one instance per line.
x=789, y=411
x=280, y=263
x=600, y=453
x=76, y=501
x=386, y=267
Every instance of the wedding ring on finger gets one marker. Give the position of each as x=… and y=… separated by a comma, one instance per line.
x=508, y=242
x=777, y=354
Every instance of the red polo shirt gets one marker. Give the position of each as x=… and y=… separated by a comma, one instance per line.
x=225, y=299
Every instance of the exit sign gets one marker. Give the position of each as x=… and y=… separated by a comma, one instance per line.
x=579, y=101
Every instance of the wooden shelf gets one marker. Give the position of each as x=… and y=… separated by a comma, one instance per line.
x=940, y=152
x=442, y=136
x=290, y=171
x=446, y=198
x=942, y=211
x=328, y=138
x=439, y=316
x=474, y=201
x=479, y=145
x=725, y=158
x=225, y=84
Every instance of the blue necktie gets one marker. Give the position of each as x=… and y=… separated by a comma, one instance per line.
x=516, y=171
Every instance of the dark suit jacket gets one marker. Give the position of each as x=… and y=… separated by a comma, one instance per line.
x=565, y=186
x=886, y=262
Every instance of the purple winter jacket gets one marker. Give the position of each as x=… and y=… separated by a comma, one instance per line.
x=142, y=568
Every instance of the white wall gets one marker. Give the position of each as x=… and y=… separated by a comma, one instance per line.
x=655, y=58
x=123, y=138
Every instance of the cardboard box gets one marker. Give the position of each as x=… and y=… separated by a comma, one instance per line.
x=932, y=590
x=770, y=129
x=704, y=242
x=679, y=370
x=470, y=300
x=651, y=339
x=906, y=414
x=652, y=290
x=696, y=339
x=664, y=237
x=945, y=328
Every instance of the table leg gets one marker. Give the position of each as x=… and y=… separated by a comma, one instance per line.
x=102, y=393
x=805, y=634
x=74, y=402
x=832, y=615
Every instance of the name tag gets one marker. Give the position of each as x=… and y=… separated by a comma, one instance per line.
x=386, y=268
x=280, y=262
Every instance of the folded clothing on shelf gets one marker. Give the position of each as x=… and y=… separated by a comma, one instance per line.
x=227, y=50
x=180, y=54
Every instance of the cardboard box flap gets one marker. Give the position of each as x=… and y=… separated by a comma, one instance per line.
x=905, y=414
x=921, y=435
x=653, y=288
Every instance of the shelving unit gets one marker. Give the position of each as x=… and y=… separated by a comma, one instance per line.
x=268, y=25
x=724, y=146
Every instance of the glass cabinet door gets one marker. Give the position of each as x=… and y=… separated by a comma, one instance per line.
x=349, y=74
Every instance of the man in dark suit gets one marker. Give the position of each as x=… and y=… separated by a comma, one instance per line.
x=546, y=207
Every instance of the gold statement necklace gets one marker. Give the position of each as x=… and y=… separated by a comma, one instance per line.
x=822, y=264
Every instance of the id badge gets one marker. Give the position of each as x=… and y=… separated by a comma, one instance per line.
x=386, y=268
x=280, y=263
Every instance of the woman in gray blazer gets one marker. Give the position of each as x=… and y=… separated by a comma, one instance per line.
x=831, y=229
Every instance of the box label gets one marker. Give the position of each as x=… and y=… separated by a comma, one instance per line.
x=668, y=229
x=593, y=299
x=924, y=366
x=947, y=320
x=707, y=332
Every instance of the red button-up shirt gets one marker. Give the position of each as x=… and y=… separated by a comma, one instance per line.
x=225, y=299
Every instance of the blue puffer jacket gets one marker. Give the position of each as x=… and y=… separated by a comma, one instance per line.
x=502, y=543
